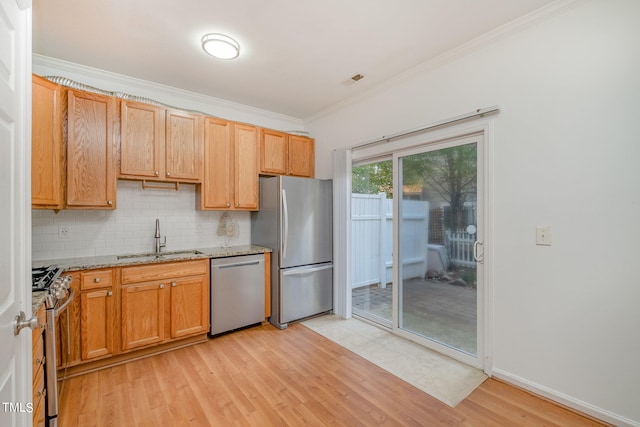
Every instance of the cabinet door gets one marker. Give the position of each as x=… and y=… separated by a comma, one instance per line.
x=301, y=156
x=46, y=145
x=142, y=315
x=96, y=323
x=189, y=306
x=183, y=146
x=90, y=166
x=273, y=152
x=216, y=191
x=245, y=167
x=141, y=140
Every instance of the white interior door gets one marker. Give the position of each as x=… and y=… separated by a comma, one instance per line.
x=15, y=210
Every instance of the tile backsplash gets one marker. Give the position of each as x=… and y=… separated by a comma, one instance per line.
x=131, y=227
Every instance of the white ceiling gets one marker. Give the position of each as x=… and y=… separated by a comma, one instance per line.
x=297, y=56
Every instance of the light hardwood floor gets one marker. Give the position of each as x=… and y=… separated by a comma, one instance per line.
x=267, y=377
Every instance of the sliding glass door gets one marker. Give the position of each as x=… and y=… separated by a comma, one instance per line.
x=416, y=246
x=439, y=229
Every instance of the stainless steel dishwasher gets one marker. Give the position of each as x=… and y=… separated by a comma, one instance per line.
x=237, y=292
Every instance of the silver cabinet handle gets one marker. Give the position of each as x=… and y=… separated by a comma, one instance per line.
x=157, y=173
x=97, y=280
x=168, y=173
x=109, y=293
x=228, y=204
x=109, y=202
x=174, y=284
x=161, y=286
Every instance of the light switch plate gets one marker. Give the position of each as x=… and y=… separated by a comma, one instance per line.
x=543, y=235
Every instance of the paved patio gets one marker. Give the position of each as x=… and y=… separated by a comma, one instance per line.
x=440, y=311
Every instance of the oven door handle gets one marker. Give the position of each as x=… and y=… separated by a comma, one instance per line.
x=64, y=305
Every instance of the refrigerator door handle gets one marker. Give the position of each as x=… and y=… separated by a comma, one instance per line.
x=306, y=270
x=285, y=219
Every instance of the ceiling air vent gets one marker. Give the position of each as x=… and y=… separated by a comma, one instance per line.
x=357, y=77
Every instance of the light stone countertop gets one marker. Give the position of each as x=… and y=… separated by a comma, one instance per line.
x=106, y=261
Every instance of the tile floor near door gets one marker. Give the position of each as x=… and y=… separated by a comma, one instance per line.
x=438, y=310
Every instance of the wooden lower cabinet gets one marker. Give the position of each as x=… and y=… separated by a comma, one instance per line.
x=125, y=312
x=96, y=323
x=38, y=361
x=142, y=315
x=173, y=306
x=189, y=306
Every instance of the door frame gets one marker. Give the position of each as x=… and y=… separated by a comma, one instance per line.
x=342, y=175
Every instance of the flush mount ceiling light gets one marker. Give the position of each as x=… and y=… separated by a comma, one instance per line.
x=220, y=46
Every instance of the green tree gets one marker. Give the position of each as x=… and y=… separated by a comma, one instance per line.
x=450, y=173
x=373, y=178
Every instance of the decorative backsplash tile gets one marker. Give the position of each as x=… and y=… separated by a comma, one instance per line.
x=130, y=228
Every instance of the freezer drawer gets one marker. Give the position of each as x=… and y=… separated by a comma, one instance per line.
x=237, y=292
x=305, y=291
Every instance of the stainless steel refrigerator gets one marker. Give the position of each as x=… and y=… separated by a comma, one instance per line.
x=295, y=220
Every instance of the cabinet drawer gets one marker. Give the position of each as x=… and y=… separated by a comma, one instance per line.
x=94, y=279
x=152, y=272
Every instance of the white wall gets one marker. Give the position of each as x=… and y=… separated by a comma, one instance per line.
x=565, y=153
x=131, y=227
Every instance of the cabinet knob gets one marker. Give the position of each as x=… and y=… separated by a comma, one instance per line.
x=109, y=202
x=228, y=204
x=157, y=173
x=168, y=173
x=161, y=286
x=237, y=205
x=97, y=280
x=109, y=293
x=173, y=284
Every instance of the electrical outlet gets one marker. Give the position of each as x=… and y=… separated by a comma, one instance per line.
x=543, y=235
x=63, y=232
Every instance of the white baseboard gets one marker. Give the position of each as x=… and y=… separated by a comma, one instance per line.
x=563, y=399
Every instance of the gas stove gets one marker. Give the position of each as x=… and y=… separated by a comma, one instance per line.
x=43, y=277
x=49, y=280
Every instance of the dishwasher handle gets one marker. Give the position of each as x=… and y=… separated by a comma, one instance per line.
x=237, y=264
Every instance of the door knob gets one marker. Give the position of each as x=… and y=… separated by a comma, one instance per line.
x=22, y=322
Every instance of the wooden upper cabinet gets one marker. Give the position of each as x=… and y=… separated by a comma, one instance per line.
x=273, y=152
x=141, y=140
x=216, y=191
x=47, y=161
x=91, y=181
x=301, y=156
x=230, y=178
x=183, y=146
x=286, y=154
x=158, y=144
x=245, y=146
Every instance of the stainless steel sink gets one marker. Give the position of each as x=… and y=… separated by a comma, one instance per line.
x=161, y=255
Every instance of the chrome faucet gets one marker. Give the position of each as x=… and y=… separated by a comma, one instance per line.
x=159, y=245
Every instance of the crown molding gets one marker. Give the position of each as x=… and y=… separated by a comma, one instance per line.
x=119, y=80
x=548, y=11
